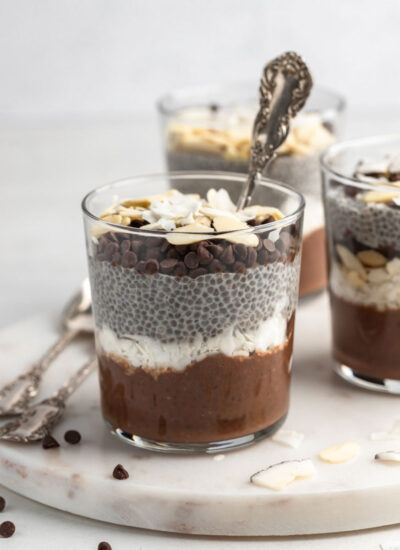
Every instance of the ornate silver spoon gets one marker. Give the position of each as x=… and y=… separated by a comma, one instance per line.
x=285, y=86
x=38, y=419
x=77, y=318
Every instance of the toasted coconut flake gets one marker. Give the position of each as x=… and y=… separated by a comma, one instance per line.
x=289, y=438
x=227, y=223
x=220, y=200
x=278, y=476
x=388, y=456
x=180, y=238
x=343, y=452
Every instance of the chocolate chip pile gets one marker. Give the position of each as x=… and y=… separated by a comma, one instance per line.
x=150, y=255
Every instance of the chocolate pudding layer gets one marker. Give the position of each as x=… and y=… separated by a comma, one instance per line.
x=313, y=273
x=365, y=339
x=213, y=399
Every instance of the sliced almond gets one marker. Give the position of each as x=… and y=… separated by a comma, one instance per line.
x=350, y=261
x=388, y=456
x=228, y=223
x=371, y=258
x=113, y=218
x=263, y=212
x=145, y=202
x=380, y=196
x=378, y=275
x=289, y=438
x=180, y=238
x=340, y=453
x=279, y=476
x=355, y=279
x=203, y=220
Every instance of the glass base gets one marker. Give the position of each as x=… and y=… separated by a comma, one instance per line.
x=385, y=385
x=198, y=448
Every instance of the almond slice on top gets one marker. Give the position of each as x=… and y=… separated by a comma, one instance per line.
x=228, y=223
x=179, y=237
x=380, y=196
x=279, y=476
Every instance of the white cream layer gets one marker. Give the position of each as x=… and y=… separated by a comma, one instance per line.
x=381, y=290
x=143, y=351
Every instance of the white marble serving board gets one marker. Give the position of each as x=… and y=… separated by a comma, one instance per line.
x=206, y=494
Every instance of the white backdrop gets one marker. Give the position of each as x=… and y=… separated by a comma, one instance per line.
x=109, y=56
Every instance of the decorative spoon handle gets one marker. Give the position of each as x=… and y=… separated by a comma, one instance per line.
x=285, y=86
x=75, y=381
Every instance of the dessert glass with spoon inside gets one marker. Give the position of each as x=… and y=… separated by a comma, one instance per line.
x=361, y=181
x=194, y=307
x=210, y=128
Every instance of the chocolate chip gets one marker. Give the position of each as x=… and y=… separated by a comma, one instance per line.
x=262, y=257
x=7, y=529
x=215, y=249
x=239, y=267
x=172, y=253
x=151, y=267
x=110, y=249
x=259, y=245
x=165, y=245
x=125, y=246
x=72, y=437
x=2, y=504
x=102, y=257
x=251, y=257
x=104, y=546
x=129, y=259
x=197, y=272
x=191, y=260
x=137, y=223
x=48, y=442
x=167, y=265
x=152, y=254
x=253, y=223
x=116, y=259
x=181, y=249
x=141, y=266
x=180, y=270
x=214, y=107
x=269, y=245
x=119, y=472
x=205, y=257
x=240, y=251
x=136, y=245
x=217, y=267
x=111, y=236
x=227, y=256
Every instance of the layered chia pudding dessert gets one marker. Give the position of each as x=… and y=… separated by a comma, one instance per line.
x=194, y=305
x=210, y=129
x=362, y=204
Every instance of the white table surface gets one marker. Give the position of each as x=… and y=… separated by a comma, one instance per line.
x=45, y=169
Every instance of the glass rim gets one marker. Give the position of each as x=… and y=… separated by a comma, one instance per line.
x=336, y=148
x=202, y=89
x=193, y=174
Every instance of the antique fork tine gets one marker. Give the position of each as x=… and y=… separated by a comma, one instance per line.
x=37, y=420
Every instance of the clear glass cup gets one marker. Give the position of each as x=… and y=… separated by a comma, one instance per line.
x=363, y=235
x=209, y=128
x=194, y=341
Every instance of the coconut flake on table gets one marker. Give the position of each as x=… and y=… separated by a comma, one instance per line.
x=393, y=434
x=289, y=438
x=388, y=456
x=278, y=476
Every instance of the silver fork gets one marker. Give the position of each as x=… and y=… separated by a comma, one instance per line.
x=77, y=317
x=37, y=420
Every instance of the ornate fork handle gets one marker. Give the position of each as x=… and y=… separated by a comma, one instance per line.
x=39, y=367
